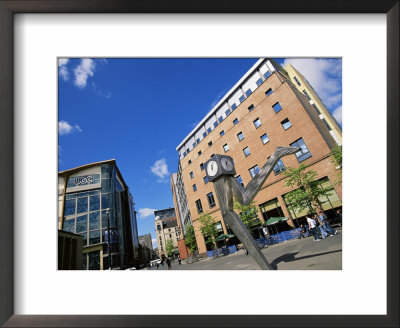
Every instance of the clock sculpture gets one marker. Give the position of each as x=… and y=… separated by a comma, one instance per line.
x=220, y=170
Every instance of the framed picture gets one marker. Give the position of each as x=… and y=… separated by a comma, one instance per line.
x=24, y=278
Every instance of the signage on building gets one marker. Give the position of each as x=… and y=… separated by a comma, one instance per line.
x=83, y=180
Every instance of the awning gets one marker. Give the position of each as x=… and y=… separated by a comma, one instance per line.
x=224, y=236
x=274, y=220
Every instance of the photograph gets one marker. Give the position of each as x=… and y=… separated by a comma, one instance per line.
x=199, y=163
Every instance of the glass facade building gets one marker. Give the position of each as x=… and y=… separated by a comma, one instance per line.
x=96, y=203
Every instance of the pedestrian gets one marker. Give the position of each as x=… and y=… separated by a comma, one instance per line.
x=312, y=224
x=323, y=233
x=303, y=230
x=339, y=217
x=162, y=262
x=158, y=265
x=323, y=219
x=179, y=259
x=169, y=263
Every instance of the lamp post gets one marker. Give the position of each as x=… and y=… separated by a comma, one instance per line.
x=109, y=239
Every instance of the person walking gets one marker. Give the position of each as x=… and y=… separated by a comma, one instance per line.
x=339, y=216
x=169, y=263
x=179, y=259
x=325, y=224
x=312, y=224
x=323, y=233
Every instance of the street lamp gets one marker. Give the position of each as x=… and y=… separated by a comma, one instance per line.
x=109, y=239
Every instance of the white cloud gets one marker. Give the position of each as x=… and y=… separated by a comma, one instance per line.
x=337, y=114
x=145, y=212
x=63, y=70
x=324, y=75
x=160, y=169
x=83, y=71
x=154, y=243
x=65, y=128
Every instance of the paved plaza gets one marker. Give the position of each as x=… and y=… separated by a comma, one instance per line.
x=295, y=254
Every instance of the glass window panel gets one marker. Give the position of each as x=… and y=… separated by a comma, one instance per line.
x=269, y=92
x=106, y=185
x=215, y=124
x=220, y=119
x=248, y=92
x=105, y=201
x=277, y=107
x=257, y=123
x=81, y=223
x=240, y=136
x=279, y=167
x=227, y=112
x=69, y=206
x=286, y=124
x=94, y=261
x=235, y=121
x=94, y=203
x=264, y=138
x=226, y=148
x=259, y=82
x=70, y=196
x=246, y=151
x=84, y=235
x=250, y=108
x=104, y=219
x=94, y=221
x=254, y=170
x=94, y=237
x=233, y=106
x=222, y=133
x=69, y=225
x=106, y=171
x=303, y=153
x=82, y=205
x=84, y=261
x=267, y=74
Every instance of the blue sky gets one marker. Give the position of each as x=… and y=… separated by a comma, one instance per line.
x=138, y=110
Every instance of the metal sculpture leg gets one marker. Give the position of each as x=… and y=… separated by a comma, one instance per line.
x=240, y=230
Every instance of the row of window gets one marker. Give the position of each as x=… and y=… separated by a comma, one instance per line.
x=229, y=111
x=211, y=202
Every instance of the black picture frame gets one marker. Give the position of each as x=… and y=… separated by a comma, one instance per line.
x=10, y=7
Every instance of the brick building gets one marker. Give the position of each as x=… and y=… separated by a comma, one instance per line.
x=262, y=111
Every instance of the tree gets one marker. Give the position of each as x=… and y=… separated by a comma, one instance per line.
x=169, y=247
x=248, y=214
x=190, y=238
x=208, y=229
x=309, y=190
x=336, y=159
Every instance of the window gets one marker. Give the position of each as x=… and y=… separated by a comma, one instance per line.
x=210, y=143
x=235, y=121
x=204, y=134
x=259, y=82
x=209, y=130
x=297, y=81
x=170, y=236
x=254, y=170
x=264, y=138
x=222, y=133
x=257, y=123
x=191, y=175
x=199, y=152
x=233, y=106
x=246, y=151
x=215, y=124
x=188, y=150
x=212, y=155
x=239, y=179
x=205, y=179
x=326, y=124
x=241, y=98
x=201, y=166
x=250, y=108
x=160, y=236
x=286, y=124
x=277, y=107
x=189, y=161
x=198, y=140
x=303, y=153
x=194, y=187
x=279, y=167
x=248, y=92
x=306, y=94
x=194, y=144
x=267, y=74
x=226, y=148
x=269, y=92
x=316, y=108
x=227, y=112
x=199, y=207
x=220, y=119
x=69, y=207
x=240, y=136
x=211, y=200
x=184, y=154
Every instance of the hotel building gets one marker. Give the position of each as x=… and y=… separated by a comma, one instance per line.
x=263, y=110
x=95, y=202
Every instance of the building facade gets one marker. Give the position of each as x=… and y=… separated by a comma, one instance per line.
x=95, y=202
x=166, y=227
x=262, y=111
x=145, y=241
x=301, y=83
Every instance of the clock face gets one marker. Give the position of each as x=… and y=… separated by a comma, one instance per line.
x=212, y=168
x=227, y=164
